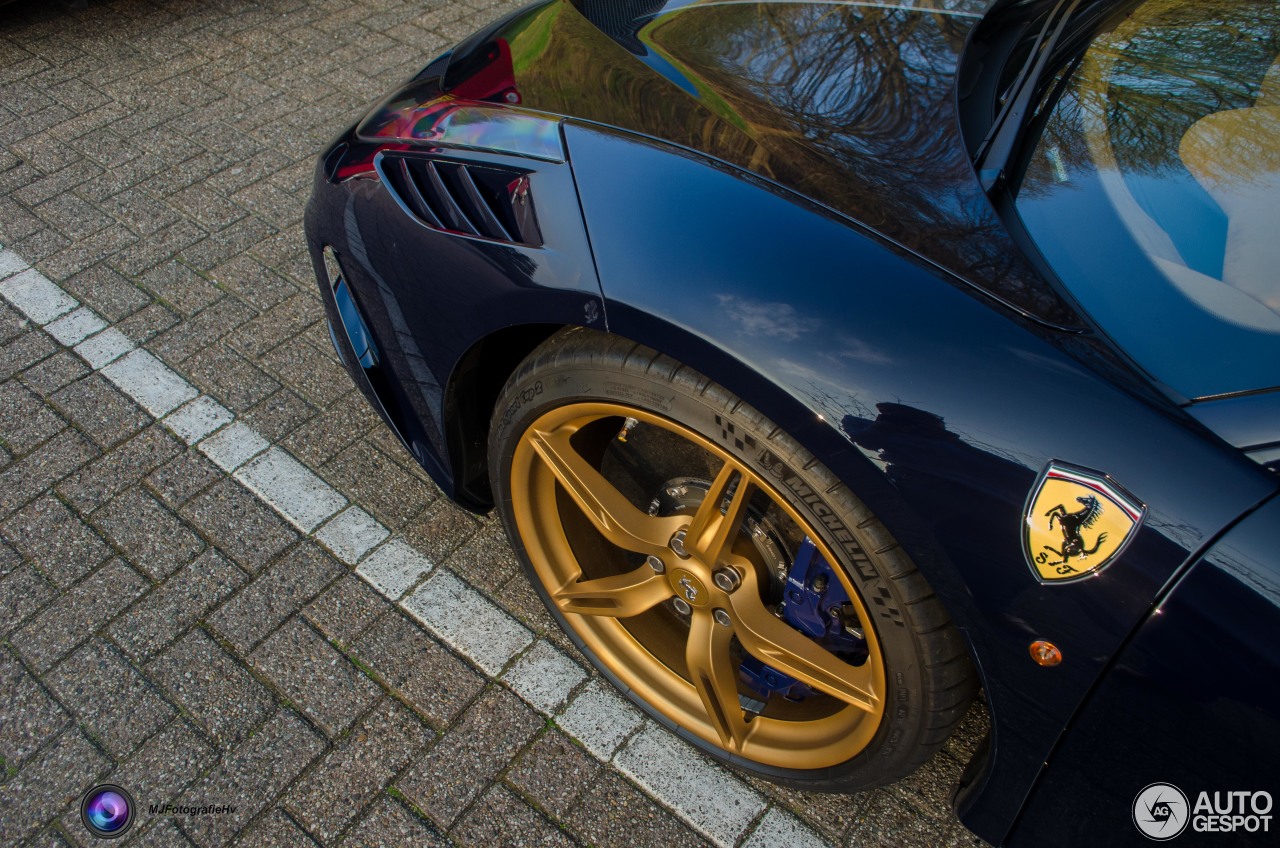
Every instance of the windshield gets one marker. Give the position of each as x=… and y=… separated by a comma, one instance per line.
x=1153, y=190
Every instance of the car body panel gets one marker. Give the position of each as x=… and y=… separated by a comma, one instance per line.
x=889, y=369
x=482, y=285
x=1218, y=716
x=937, y=383
x=870, y=132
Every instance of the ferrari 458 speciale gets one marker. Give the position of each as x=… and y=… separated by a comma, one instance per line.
x=830, y=362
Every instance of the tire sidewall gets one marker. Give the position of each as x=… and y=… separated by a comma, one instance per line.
x=842, y=522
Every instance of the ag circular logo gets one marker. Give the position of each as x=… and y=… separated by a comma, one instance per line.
x=1160, y=811
x=107, y=811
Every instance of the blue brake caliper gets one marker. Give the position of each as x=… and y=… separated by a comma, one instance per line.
x=812, y=603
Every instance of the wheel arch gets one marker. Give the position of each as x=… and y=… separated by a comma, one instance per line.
x=471, y=392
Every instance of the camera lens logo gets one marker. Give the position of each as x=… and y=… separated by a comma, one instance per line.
x=107, y=811
x=1160, y=812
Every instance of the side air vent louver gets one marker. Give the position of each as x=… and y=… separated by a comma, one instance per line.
x=474, y=200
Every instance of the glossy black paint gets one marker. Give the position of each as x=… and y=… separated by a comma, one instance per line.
x=937, y=409
x=1201, y=678
x=934, y=375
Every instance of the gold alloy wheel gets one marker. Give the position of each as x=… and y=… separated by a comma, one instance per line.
x=671, y=604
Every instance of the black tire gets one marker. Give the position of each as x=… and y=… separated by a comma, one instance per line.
x=927, y=676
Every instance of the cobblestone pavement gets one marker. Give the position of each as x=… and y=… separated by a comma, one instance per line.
x=222, y=581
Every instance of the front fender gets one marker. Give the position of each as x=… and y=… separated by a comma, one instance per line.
x=938, y=407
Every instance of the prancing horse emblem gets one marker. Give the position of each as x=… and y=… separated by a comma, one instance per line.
x=690, y=590
x=1060, y=543
x=1070, y=524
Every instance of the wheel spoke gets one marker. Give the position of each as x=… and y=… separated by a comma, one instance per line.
x=791, y=652
x=619, y=596
x=608, y=509
x=715, y=677
x=711, y=533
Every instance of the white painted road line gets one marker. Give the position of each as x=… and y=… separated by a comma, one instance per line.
x=11, y=263
x=351, y=534
x=779, y=828
x=37, y=297
x=150, y=382
x=291, y=489
x=75, y=327
x=233, y=447
x=544, y=677
x=600, y=719
x=105, y=347
x=476, y=627
x=713, y=801
x=198, y=419
x=395, y=568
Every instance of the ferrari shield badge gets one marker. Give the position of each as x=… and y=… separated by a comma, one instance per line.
x=1076, y=522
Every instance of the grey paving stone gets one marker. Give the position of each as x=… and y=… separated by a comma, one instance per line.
x=44, y=787
x=430, y=678
x=283, y=321
x=55, y=372
x=78, y=613
x=250, y=775
x=119, y=469
x=157, y=773
x=358, y=768
x=278, y=415
x=22, y=591
x=369, y=478
x=255, y=283
x=712, y=800
x=181, y=478
x=25, y=421
x=346, y=609
x=112, y=700
x=179, y=602
x=470, y=754
x=614, y=812
x=24, y=351
x=781, y=828
x=107, y=291
x=201, y=331
x=275, y=830
x=51, y=536
x=308, y=372
x=502, y=818
x=278, y=592
x=147, y=323
x=830, y=814
x=216, y=691
x=29, y=717
x=441, y=529
x=553, y=772
x=486, y=560
x=40, y=469
x=331, y=430
x=239, y=524
x=888, y=821
x=390, y=823
x=152, y=537
x=326, y=686
x=519, y=598
x=162, y=834
x=100, y=411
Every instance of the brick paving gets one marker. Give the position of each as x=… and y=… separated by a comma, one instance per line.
x=204, y=635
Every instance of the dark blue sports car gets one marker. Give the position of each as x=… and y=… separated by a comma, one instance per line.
x=829, y=361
